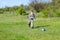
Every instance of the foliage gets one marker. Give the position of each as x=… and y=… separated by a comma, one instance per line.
x=21, y=11
x=52, y=11
x=1, y=12
x=36, y=5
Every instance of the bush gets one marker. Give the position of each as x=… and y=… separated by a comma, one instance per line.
x=44, y=13
x=1, y=12
x=21, y=11
x=57, y=12
x=48, y=13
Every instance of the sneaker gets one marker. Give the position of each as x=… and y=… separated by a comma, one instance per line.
x=32, y=27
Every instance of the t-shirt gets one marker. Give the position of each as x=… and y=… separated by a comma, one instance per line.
x=31, y=15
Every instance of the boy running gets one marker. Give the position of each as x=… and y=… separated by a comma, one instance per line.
x=31, y=19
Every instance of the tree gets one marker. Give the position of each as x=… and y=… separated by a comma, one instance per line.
x=56, y=2
x=21, y=11
x=37, y=5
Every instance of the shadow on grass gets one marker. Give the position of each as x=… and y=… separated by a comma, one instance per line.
x=41, y=26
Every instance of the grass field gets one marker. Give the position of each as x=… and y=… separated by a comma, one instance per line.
x=16, y=28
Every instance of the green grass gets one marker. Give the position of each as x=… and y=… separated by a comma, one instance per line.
x=16, y=28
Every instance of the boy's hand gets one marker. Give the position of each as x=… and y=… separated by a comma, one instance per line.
x=35, y=18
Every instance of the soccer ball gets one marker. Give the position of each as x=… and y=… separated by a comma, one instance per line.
x=43, y=29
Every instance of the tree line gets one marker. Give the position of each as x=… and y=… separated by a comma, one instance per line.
x=50, y=9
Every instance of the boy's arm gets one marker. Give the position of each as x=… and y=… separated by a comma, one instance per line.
x=34, y=15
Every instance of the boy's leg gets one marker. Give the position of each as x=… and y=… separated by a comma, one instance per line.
x=32, y=23
x=29, y=23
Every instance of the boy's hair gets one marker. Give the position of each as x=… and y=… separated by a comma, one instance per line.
x=32, y=11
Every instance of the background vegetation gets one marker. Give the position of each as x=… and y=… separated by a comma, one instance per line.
x=50, y=9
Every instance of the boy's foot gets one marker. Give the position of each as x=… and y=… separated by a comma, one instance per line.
x=28, y=25
x=32, y=27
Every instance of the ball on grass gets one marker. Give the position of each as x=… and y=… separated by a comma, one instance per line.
x=43, y=29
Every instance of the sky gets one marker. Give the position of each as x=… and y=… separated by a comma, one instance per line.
x=4, y=3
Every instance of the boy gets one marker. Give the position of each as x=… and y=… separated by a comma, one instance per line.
x=31, y=19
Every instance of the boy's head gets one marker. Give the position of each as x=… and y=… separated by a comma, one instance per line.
x=32, y=11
